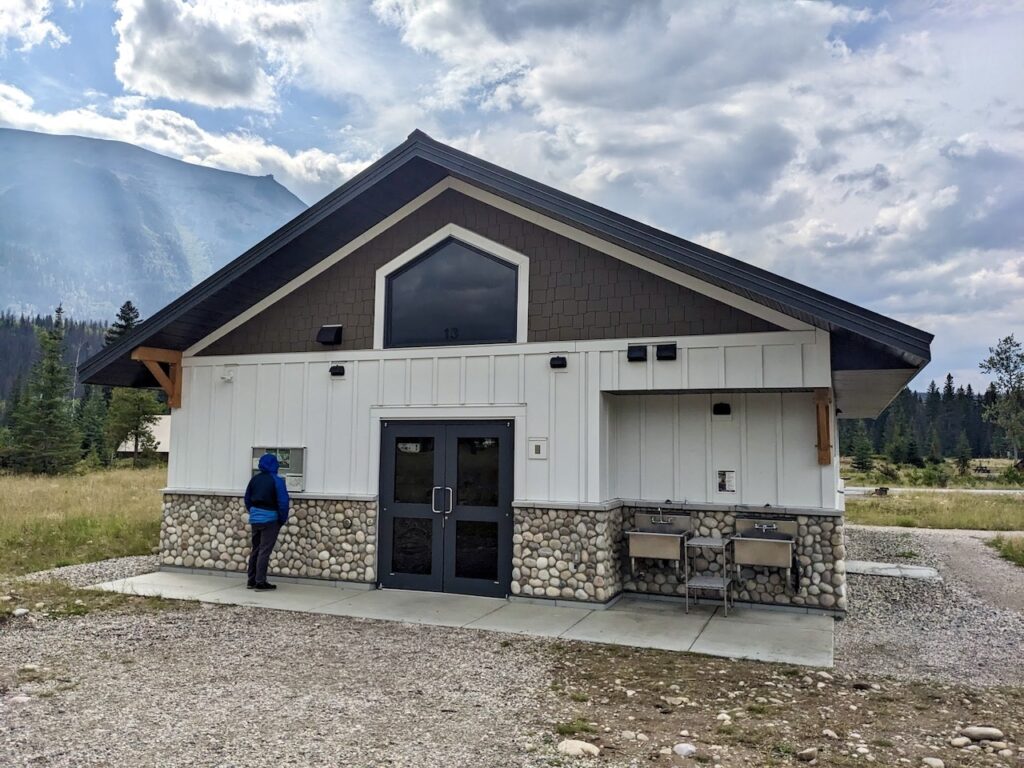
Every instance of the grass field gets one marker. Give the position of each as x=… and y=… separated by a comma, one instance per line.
x=51, y=521
x=944, y=475
x=939, y=510
x=1009, y=548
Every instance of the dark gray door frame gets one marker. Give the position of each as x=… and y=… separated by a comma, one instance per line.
x=444, y=509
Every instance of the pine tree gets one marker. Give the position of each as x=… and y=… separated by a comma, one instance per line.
x=44, y=437
x=862, y=458
x=127, y=318
x=963, y=454
x=92, y=422
x=935, y=448
x=130, y=417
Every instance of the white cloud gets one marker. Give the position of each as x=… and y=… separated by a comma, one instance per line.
x=217, y=53
x=27, y=23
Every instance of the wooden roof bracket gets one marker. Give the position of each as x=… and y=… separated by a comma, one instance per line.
x=154, y=359
x=822, y=401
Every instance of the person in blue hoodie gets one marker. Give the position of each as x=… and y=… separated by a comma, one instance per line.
x=266, y=501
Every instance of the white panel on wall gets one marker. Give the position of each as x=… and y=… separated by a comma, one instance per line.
x=394, y=382
x=565, y=451
x=760, y=475
x=478, y=380
x=704, y=367
x=801, y=478
x=340, y=442
x=506, y=379
x=268, y=395
x=197, y=461
x=726, y=449
x=624, y=446
x=632, y=375
x=658, y=460
x=783, y=365
x=691, y=467
x=537, y=378
x=421, y=385
x=366, y=398
x=243, y=406
x=609, y=370
x=293, y=395
x=669, y=374
x=318, y=389
x=449, y=371
x=743, y=367
x=220, y=456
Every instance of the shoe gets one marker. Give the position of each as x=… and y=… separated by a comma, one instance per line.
x=251, y=585
x=264, y=587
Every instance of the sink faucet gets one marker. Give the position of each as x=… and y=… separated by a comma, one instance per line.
x=660, y=519
x=766, y=527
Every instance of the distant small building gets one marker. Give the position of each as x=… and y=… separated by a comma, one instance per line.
x=162, y=434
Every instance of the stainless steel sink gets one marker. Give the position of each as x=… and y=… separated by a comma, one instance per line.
x=658, y=536
x=764, y=542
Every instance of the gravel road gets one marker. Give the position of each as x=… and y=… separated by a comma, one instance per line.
x=87, y=574
x=231, y=687
x=967, y=629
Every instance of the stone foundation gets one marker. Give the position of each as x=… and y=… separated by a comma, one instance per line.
x=567, y=554
x=324, y=538
x=820, y=552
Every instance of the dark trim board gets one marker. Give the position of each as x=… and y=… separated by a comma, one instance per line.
x=409, y=170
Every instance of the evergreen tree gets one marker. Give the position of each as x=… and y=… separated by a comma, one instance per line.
x=44, y=437
x=130, y=417
x=935, y=447
x=963, y=454
x=127, y=318
x=1006, y=363
x=92, y=422
x=862, y=458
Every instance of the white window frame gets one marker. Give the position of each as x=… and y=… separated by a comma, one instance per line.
x=497, y=250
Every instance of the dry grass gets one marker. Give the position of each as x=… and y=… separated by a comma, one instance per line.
x=939, y=510
x=47, y=522
x=55, y=600
x=1009, y=548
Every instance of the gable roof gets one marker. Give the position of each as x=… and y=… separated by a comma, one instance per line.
x=867, y=340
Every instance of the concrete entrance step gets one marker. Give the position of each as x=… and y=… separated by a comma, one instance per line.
x=804, y=639
x=892, y=570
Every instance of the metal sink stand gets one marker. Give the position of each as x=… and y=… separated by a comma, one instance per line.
x=721, y=583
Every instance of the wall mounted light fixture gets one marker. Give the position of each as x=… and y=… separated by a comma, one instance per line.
x=329, y=335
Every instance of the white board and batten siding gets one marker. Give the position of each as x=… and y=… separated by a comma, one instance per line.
x=231, y=404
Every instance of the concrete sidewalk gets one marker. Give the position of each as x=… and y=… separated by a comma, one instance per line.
x=747, y=633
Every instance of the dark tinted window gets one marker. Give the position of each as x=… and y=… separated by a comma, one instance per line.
x=453, y=294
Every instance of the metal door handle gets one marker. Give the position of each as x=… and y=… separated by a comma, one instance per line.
x=451, y=500
x=433, y=497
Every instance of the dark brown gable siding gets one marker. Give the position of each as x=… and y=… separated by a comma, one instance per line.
x=576, y=293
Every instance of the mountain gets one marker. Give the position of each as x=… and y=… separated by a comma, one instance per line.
x=90, y=223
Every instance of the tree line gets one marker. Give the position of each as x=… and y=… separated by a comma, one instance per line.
x=52, y=424
x=19, y=346
x=951, y=421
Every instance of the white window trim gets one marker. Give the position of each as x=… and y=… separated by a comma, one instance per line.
x=497, y=250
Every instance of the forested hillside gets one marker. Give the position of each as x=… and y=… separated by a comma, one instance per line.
x=19, y=347
x=917, y=425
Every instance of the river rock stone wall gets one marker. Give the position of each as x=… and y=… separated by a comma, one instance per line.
x=820, y=552
x=567, y=554
x=324, y=538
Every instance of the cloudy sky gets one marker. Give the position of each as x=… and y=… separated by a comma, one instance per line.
x=874, y=151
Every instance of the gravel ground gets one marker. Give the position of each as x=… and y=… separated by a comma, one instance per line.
x=232, y=687
x=95, y=573
x=967, y=629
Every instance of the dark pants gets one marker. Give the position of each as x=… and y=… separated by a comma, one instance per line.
x=264, y=536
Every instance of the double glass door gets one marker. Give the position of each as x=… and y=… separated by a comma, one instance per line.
x=446, y=506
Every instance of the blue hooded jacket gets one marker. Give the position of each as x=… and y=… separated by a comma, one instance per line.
x=266, y=496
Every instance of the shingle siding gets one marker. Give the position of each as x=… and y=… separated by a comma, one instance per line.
x=576, y=293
